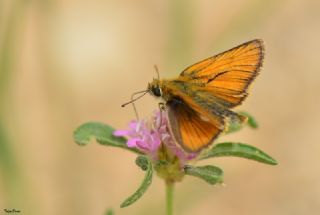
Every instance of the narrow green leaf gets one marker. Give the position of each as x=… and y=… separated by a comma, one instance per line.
x=102, y=133
x=145, y=164
x=210, y=174
x=234, y=127
x=238, y=150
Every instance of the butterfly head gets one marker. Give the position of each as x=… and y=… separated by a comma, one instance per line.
x=155, y=88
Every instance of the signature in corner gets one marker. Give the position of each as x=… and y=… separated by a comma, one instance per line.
x=12, y=210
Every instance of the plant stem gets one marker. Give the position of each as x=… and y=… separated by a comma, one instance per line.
x=169, y=197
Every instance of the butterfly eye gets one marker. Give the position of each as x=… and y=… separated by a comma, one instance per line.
x=156, y=91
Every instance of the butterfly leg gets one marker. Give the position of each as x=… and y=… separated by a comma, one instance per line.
x=162, y=107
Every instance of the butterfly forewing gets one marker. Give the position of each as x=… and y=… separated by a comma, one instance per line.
x=228, y=75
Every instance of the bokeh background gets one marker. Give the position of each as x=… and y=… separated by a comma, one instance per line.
x=66, y=62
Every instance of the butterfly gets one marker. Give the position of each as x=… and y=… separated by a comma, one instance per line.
x=200, y=100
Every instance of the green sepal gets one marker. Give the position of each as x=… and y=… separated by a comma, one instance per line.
x=102, y=133
x=234, y=126
x=210, y=174
x=238, y=150
x=251, y=122
x=145, y=164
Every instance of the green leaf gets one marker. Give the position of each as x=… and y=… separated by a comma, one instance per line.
x=234, y=127
x=210, y=174
x=145, y=164
x=102, y=133
x=238, y=150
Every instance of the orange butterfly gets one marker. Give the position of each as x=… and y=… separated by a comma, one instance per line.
x=200, y=99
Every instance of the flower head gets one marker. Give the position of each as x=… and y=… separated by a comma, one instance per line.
x=153, y=137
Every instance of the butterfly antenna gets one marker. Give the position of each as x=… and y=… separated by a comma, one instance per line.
x=135, y=99
x=157, y=71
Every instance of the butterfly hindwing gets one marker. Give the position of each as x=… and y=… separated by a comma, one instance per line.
x=191, y=130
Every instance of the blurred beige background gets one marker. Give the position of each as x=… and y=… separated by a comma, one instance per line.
x=66, y=62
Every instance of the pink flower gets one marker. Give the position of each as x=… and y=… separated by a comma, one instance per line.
x=149, y=135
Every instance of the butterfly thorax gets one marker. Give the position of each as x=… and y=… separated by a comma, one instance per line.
x=167, y=88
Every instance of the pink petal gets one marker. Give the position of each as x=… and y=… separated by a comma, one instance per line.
x=120, y=133
x=133, y=142
x=143, y=146
x=133, y=124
